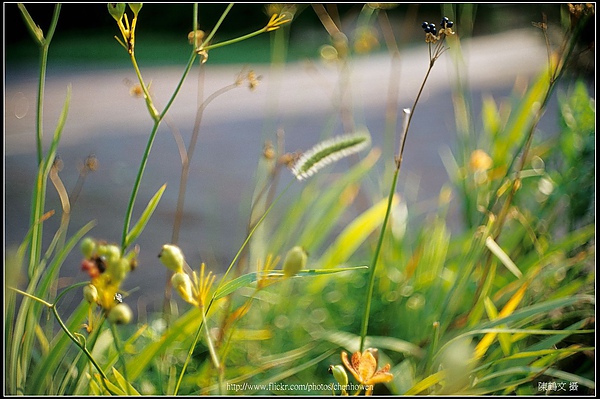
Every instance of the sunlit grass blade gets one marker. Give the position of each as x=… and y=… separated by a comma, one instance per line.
x=39, y=193
x=247, y=279
x=355, y=234
x=267, y=363
x=294, y=370
x=137, y=229
x=352, y=343
x=124, y=384
x=332, y=202
x=184, y=327
x=426, y=383
x=533, y=372
x=508, y=309
x=503, y=256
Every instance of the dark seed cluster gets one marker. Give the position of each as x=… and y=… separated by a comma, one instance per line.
x=431, y=28
x=446, y=23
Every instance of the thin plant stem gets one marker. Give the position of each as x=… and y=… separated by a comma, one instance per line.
x=117, y=341
x=217, y=25
x=185, y=168
x=157, y=120
x=369, y=295
x=213, y=354
x=44, y=44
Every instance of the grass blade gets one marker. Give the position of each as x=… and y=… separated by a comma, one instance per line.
x=137, y=229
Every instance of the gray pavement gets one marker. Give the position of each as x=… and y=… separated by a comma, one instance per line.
x=106, y=121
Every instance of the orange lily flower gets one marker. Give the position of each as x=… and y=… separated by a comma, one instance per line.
x=363, y=367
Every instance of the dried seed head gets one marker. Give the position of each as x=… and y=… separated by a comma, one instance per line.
x=195, y=37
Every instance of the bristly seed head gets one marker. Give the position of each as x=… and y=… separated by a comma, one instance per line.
x=329, y=151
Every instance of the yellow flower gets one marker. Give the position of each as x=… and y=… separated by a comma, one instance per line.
x=363, y=366
x=480, y=161
x=194, y=290
x=264, y=272
x=276, y=21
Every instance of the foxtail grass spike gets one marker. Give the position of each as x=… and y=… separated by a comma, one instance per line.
x=329, y=151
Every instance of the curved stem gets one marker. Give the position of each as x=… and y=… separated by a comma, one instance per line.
x=185, y=167
x=52, y=307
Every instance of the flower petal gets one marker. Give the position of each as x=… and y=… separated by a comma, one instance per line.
x=349, y=366
x=367, y=366
x=382, y=375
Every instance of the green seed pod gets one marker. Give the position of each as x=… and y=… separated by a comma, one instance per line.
x=172, y=257
x=87, y=246
x=120, y=314
x=90, y=293
x=116, y=10
x=111, y=253
x=135, y=7
x=295, y=260
x=119, y=269
x=339, y=373
x=182, y=283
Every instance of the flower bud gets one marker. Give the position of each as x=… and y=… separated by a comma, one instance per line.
x=116, y=10
x=90, y=293
x=120, y=314
x=87, y=246
x=339, y=373
x=295, y=260
x=182, y=283
x=172, y=257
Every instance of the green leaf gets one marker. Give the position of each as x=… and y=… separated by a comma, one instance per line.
x=503, y=256
x=352, y=343
x=250, y=278
x=351, y=238
x=136, y=230
x=426, y=383
x=124, y=384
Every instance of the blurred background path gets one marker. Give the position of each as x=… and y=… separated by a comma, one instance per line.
x=105, y=120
